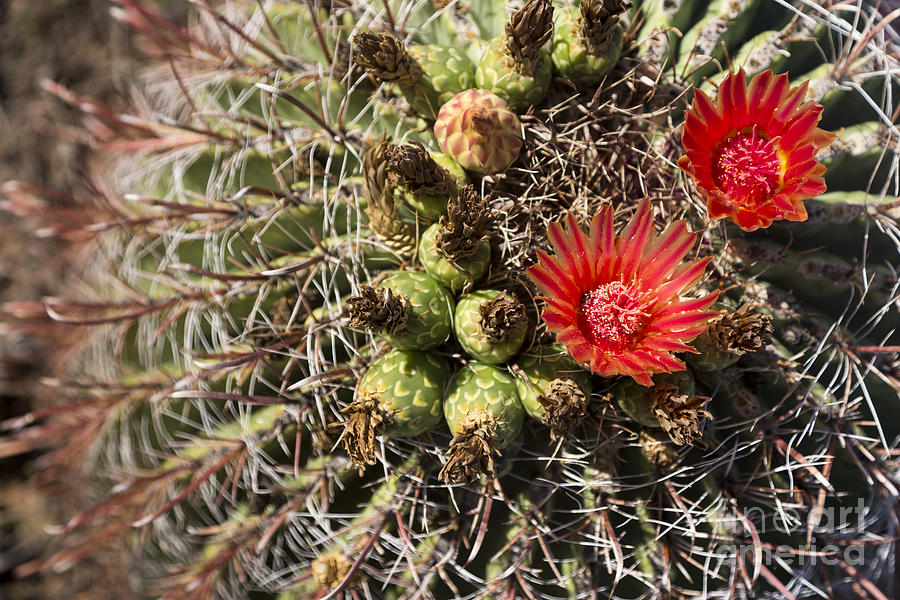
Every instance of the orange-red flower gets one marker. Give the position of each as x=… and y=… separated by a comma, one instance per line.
x=615, y=301
x=752, y=152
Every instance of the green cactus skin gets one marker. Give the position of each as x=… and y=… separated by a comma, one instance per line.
x=446, y=70
x=484, y=389
x=571, y=58
x=411, y=385
x=723, y=22
x=538, y=368
x=430, y=207
x=466, y=271
x=520, y=91
x=469, y=331
x=431, y=314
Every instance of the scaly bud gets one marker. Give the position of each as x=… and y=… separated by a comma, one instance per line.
x=479, y=130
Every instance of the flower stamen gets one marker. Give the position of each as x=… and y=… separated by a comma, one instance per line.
x=612, y=315
x=747, y=168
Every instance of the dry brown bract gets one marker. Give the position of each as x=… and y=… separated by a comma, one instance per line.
x=680, y=415
x=564, y=406
x=740, y=332
x=472, y=451
x=379, y=310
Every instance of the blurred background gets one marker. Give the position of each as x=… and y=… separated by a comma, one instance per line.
x=80, y=45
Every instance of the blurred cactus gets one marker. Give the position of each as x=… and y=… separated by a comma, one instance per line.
x=271, y=290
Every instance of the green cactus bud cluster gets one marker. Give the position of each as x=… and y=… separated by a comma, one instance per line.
x=306, y=339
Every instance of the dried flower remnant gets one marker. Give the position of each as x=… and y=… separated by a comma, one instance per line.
x=565, y=405
x=367, y=418
x=385, y=58
x=467, y=222
x=527, y=31
x=740, y=332
x=615, y=301
x=379, y=310
x=471, y=450
x=752, y=152
x=680, y=415
x=501, y=316
x=412, y=167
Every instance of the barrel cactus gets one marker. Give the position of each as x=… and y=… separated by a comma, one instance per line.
x=284, y=390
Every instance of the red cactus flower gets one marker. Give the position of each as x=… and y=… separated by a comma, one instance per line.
x=752, y=152
x=615, y=302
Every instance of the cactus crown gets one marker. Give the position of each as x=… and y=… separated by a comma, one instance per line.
x=206, y=408
x=527, y=31
x=385, y=58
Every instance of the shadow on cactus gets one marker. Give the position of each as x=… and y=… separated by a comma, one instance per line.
x=318, y=363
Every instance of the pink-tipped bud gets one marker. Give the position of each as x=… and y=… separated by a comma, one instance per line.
x=479, y=130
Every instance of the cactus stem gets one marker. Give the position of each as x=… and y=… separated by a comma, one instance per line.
x=379, y=310
x=564, y=406
x=526, y=33
x=680, y=415
x=367, y=419
x=501, y=316
x=471, y=450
